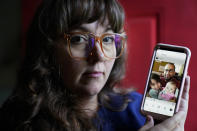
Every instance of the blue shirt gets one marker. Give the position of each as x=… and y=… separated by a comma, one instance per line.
x=129, y=119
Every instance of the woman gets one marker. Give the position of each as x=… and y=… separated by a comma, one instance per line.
x=75, y=57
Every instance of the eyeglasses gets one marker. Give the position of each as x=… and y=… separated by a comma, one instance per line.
x=169, y=70
x=81, y=44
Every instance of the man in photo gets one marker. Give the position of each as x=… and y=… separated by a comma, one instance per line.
x=169, y=75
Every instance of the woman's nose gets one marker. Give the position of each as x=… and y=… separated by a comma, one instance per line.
x=96, y=54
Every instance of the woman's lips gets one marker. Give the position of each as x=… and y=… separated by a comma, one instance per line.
x=93, y=74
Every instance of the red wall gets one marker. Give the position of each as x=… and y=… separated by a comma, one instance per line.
x=167, y=21
x=176, y=23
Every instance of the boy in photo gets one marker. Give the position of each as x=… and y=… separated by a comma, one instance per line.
x=155, y=86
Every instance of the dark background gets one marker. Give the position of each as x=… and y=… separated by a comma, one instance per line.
x=147, y=23
x=10, y=45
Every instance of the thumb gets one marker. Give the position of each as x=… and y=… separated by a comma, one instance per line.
x=149, y=123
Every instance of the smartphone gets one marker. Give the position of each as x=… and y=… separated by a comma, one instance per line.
x=165, y=81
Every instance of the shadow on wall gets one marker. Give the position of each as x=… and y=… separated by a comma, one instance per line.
x=10, y=44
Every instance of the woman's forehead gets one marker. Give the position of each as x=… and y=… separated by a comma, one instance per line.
x=95, y=27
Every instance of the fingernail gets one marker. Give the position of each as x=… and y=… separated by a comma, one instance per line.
x=148, y=118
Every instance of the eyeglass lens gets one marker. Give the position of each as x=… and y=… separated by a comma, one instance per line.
x=81, y=45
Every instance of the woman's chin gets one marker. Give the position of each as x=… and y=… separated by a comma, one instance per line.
x=90, y=90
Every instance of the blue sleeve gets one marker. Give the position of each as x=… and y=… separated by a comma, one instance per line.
x=130, y=118
x=133, y=109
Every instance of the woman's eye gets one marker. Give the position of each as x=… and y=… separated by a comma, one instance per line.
x=108, y=39
x=78, y=39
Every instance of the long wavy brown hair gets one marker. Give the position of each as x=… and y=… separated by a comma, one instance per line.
x=40, y=102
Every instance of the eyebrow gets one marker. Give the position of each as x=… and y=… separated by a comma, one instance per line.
x=108, y=28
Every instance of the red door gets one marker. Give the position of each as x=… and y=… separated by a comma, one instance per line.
x=141, y=31
x=166, y=21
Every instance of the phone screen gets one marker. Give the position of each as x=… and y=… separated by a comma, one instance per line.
x=164, y=82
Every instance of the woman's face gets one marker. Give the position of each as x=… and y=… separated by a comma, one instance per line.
x=85, y=77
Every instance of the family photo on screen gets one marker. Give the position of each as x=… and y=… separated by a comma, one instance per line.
x=166, y=76
x=166, y=85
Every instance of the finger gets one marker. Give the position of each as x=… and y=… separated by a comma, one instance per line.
x=172, y=122
x=186, y=88
x=183, y=105
x=149, y=123
x=185, y=96
x=179, y=127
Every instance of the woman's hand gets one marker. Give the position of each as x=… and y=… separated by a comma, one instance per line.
x=175, y=123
